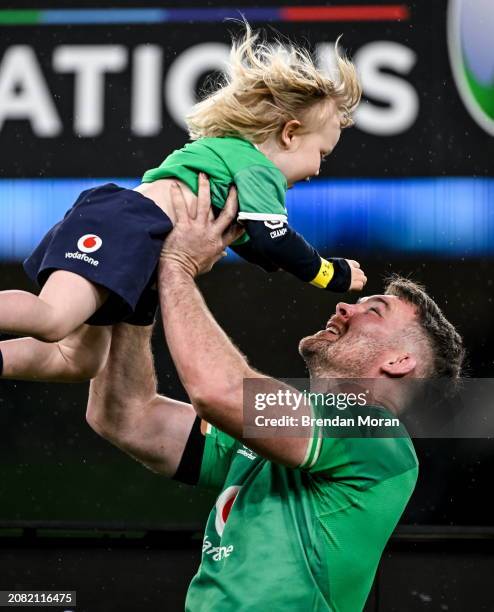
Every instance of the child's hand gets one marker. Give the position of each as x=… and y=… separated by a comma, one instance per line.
x=358, y=277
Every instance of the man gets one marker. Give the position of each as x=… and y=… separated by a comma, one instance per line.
x=300, y=522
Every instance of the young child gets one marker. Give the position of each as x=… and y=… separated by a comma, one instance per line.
x=271, y=124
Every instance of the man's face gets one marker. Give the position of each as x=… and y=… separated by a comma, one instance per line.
x=358, y=338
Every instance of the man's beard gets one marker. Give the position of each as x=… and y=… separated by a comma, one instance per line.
x=349, y=357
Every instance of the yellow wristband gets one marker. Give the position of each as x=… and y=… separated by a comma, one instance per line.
x=324, y=276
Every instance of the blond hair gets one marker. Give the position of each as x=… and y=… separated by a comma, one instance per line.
x=267, y=85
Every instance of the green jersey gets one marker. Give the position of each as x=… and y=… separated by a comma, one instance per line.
x=261, y=187
x=260, y=184
x=300, y=539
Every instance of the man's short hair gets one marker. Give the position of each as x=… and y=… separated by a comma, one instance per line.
x=446, y=343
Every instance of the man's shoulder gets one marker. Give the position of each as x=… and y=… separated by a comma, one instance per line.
x=384, y=441
x=357, y=445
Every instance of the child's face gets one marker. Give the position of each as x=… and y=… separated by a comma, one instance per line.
x=298, y=153
x=314, y=146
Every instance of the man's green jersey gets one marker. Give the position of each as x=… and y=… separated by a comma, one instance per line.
x=261, y=187
x=300, y=539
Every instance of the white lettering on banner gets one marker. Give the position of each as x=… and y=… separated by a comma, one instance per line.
x=24, y=93
x=184, y=73
x=147, y=74
x=399, y=95
x=89, y=63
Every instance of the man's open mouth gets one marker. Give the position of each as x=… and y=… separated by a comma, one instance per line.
x=332, y=333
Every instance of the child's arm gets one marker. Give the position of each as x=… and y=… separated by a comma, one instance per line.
x=286, y=249
x=261, y=194
x=76, y=358
x=247, y=251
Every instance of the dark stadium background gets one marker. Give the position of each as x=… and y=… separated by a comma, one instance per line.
x=72, y=504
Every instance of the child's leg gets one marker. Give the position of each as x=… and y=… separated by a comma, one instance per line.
x=65, y=302
x=79, y=357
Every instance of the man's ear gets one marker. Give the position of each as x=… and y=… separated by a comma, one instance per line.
x=288, y=133
x=399, y=365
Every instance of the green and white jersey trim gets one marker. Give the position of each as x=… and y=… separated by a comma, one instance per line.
x=312, y=453
x=313, y=446
x=252, y=216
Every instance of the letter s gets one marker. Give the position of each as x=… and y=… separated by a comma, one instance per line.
x=400, y=96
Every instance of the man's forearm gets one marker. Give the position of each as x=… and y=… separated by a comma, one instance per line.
x=212, y=370
x=207, y=362
x=127, y=382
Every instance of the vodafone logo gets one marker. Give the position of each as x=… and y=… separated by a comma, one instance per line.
x=89, y=243
x=224, y=505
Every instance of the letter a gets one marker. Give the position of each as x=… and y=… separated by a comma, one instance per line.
x=24, y=93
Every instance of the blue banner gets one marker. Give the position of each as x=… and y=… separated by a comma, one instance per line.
x=441, y=217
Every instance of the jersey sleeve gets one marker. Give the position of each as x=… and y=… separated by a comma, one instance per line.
x=360, y=455
x=362, y=462
x=278, y=243
x=249, y=253
x=272, y=242
x=261, y=194
x=218, y=451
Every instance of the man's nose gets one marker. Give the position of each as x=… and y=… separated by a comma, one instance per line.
x=345, y=311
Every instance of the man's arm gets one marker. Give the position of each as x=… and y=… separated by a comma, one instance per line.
x=125, y=408
x=212, y=370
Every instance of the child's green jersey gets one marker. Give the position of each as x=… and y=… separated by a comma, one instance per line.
x=261, y=186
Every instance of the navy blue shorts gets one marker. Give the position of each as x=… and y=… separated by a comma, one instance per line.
x=111, y=236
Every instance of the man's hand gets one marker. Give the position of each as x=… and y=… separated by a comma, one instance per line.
x=358, y=277
x=198, y=240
